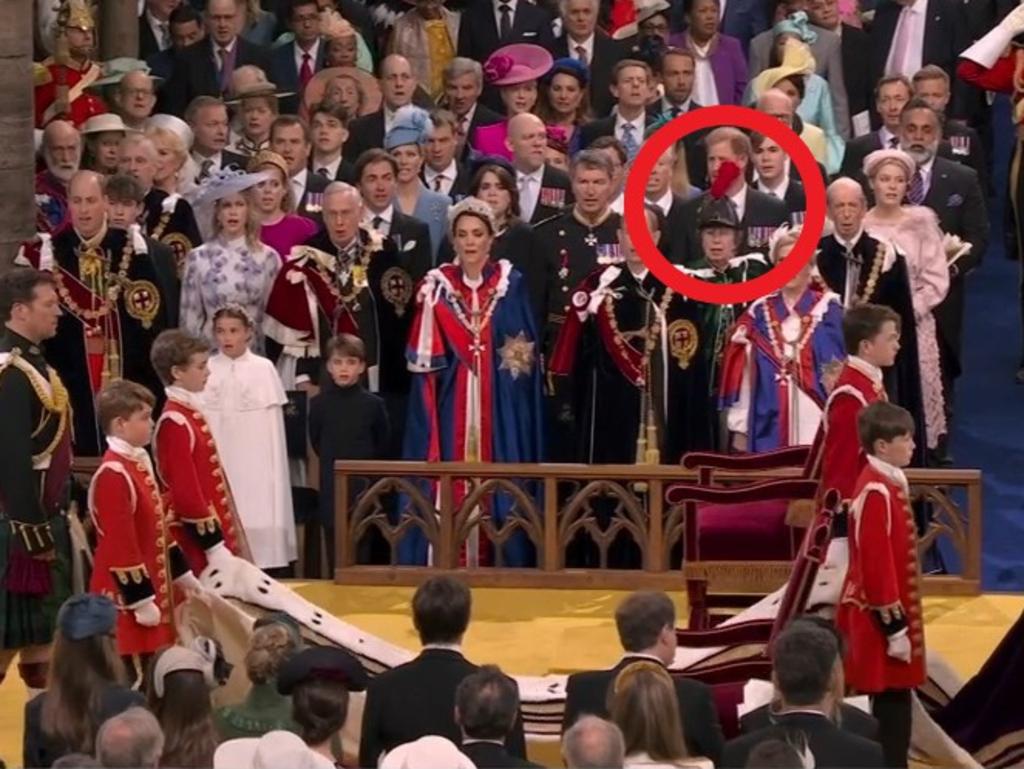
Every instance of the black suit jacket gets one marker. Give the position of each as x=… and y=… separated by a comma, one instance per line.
x=392, y=715
x=460, y=187
x=693, y=142
x=859, y=148
x=852, y=720
x=364, y=133
x=587, y=692
x=795, y=198
x=148, y=44
x=555, y=179
x=956, y=197
x=833, y=748
x=605, y=126
x=166, y=265
x=412, y=240
x=675, y=221
x=606, y=53
x=491, y=755
x=478, y=29
x=967, y=150
x=946, y=34
x=285, y=75
x=311, y=203
x=855, y=47
x=195, y=72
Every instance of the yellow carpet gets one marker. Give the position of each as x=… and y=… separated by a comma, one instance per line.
x=534, y=632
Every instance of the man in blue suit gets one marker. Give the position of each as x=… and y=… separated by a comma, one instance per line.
x=294, y=64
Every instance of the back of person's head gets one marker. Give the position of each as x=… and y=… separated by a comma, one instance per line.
x=83, y=663
x=181, y=702
x=804, y=660
x=593, y=743
x=642, y=617
x=643, y=704
x=270, y=646
x=130, y=740
x=863, y=323
x=486, y=704
x=441, y=608
x=777, y=754
x=320, y=708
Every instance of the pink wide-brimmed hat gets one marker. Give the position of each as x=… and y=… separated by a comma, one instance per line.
x=878, y=158
x=517, y=63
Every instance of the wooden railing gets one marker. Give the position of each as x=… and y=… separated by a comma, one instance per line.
x=551, y=505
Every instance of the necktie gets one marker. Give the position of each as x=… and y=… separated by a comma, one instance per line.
x=629, y=140
x=323, y=172
x=675, y=111
x=225, y=74
x=853, y=265
x=306, y=71
x=581, y=54
x=376, y=223
x=901, y=45
x=205, y=168
x=438, y=181
x=463, y=129
x=165, y=35
x=505, y=27
x=915, y=194
x=526, y=197
x=894, y=143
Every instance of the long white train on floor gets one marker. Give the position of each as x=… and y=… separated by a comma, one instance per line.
x=236, y=595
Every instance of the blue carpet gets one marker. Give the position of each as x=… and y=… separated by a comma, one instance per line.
x=988, y=431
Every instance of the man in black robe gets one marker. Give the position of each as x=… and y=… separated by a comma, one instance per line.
x=572, y=245
x=861, y=269
x=112, y=304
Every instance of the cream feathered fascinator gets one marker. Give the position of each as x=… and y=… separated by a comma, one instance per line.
x=473, y=206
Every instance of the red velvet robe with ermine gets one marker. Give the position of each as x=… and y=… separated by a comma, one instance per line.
x=136, y=558
x=882, y=583
x=196, y=485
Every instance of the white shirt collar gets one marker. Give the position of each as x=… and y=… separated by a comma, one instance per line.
x=664, y=202
x=887, y=136
x=190, y=399
x=617, y=204
x=332, y=167
x=215, y=159
x=473, y=283
x=448, y=173
x=638, y=123
x=300, y=179
x=230, y=46
x=852, y=242
x=468, y=117
x=314, y=51
x=537, y=175
x=444, y=647
x=385, y=216
x=926, y=170
x=740, y=201
x=779, y=191
x=587, y=45
x=893, y=473
x=667, y=106
x=497, y=11
x=127, y=450
x=869, y=370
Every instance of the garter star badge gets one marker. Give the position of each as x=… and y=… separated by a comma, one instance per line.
x=517, y=355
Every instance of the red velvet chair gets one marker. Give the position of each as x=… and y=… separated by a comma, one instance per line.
x=746, y=646
x=739, y=542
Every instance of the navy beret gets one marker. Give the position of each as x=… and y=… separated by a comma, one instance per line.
x=86, y=615
x=324, y=663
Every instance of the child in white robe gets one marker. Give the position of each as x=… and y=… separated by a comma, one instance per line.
x=243, y=402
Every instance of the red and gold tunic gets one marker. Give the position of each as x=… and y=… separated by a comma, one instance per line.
x=82, y=104
x=836, y=457
x=881, y=594
x=197, y=488
x=136, y=561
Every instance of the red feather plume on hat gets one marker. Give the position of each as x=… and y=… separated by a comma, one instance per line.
x=728, y=172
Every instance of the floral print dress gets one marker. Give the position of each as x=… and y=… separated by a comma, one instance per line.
x=227, y=272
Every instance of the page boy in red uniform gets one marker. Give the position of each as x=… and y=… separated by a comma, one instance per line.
x=879, y=612
x=137, y=563
x=207, y=528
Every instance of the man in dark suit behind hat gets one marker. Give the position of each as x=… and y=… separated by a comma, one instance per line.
x=391, y=717
x=486, y=706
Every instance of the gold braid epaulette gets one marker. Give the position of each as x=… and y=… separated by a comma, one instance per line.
x=56, y=401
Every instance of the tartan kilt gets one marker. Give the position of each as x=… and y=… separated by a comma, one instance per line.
x=29, y=620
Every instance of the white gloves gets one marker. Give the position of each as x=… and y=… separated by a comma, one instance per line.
x=899, y=646
x=147, y=615
x=989, y=48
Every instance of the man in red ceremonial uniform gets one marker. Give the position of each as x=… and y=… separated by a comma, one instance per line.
x=62, y=81
x=137, y=564
x=991, y=64
x=879, y=612
x=208, y=529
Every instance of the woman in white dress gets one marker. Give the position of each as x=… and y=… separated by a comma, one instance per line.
x=233, y=266
x=243, y=402
x=914, y=231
